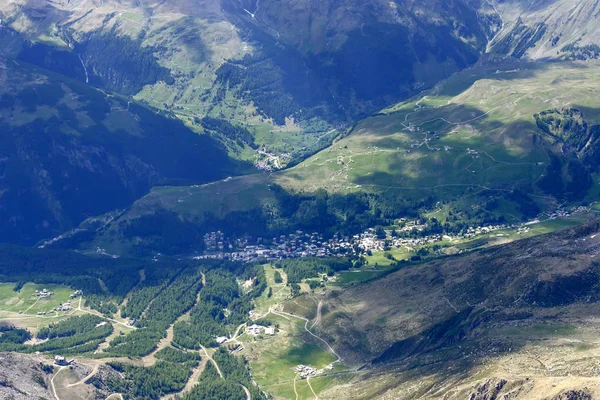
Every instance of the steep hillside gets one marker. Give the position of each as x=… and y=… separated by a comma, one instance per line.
x=22, y=377
x=548, y=29
x=501, y=141
x=293, y=74
x=520, y=319
x=357, y=55
x=69, y=152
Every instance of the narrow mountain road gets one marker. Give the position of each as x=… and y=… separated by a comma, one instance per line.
x=208, y=356
x=236, y=334
x=52, y=382
x=38, y=299
x=306, y=321
x=295, y=390
x=83, y=380
x=248, y=394
x=93, y=312
x=311, y=388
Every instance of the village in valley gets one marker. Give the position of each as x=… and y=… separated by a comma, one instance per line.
x=408, y=235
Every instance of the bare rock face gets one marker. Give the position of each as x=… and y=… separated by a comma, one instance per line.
x=573, y=395
x=489, y=390
x=23, y=377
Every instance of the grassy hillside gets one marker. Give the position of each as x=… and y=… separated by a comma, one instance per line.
x=292, y=79
x=476, y=129
x=491, y=142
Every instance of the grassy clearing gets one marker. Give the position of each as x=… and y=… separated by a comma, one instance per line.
x=24, y=301
x=276, y=365
x=272, y=359
x=538, y=331
x=353, y=277
x=379, y=258
x=12, y=304
x=279, y=291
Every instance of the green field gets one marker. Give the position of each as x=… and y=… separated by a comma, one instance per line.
x=279, y=291
x=273, y=359
x=276, y=365
x=353, y=277
x=24, y=301
x=469, y=138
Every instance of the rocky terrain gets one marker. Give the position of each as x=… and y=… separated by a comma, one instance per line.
x=518, y=320
x=548, y=29
x=22, y=377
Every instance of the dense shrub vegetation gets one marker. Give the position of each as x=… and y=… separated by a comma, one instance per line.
x=208, y=319
x=303, y=268
x=148, y=382
x=70, y=336
x=177, y=297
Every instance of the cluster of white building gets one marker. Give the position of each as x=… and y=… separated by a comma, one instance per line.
x=300, y=244
x=293, y=245
x=256, y=330
x=306, y=371
x=43, y=293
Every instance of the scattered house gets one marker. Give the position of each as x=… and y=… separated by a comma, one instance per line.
x=254, y=330
x=131, y=322
x=43, y=294
x=62, y=361
x=305, y=371
x=221, y=339
x=270, y=330
x=101, y=324
x=64, y=307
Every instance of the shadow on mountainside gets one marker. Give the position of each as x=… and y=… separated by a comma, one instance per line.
x=450, y=316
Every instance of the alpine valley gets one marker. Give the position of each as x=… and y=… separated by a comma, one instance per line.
x=299, y=199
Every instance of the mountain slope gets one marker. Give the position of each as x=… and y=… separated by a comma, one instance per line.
x=517, y=320
x=69, y=152
x=358, y=55
x=23, y=377
x=497, y=142
x=290, y=72
x=548, y=29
